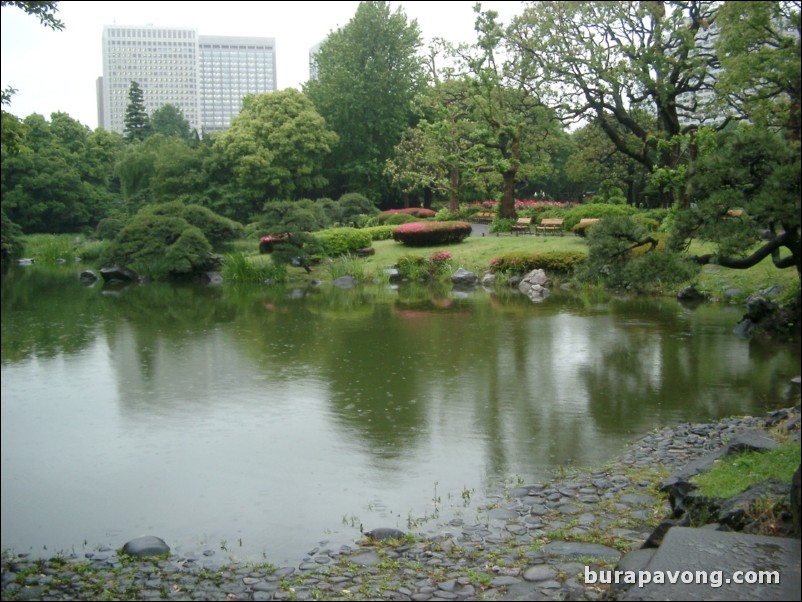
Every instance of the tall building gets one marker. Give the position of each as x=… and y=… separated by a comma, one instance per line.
x=313, y=60
x=230, y=68
x=204, y=76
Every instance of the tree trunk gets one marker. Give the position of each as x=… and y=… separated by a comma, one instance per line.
x=453, y=196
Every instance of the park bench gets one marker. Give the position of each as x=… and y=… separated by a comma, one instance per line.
x=483, y=217
x=522, y=225
x=550, y=224
x=583, y=225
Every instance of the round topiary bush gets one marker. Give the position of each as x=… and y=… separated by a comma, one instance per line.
x=339, y=241
x=423, y=234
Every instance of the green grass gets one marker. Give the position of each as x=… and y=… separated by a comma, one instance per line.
x=733, y=474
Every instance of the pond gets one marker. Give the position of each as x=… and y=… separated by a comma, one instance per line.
x=258, y=421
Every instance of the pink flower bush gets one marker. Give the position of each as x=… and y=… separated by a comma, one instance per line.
x=421, y=234
x=440, y=257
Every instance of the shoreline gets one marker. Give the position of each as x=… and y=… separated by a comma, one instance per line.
x=533, y=542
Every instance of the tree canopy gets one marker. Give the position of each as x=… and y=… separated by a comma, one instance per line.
x=137, y=122
x=276, y=146
x=368, y=73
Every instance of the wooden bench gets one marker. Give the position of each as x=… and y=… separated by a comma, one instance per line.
x=584, y=224
x=522, y=225
x=483, y=217
x=550, y=224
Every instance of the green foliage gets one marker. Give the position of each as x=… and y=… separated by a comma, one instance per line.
x=44, y=10
x=367, y=75
x=379, y=232
x=109, y=227
x=413, y=267
x=11, y=244
x=624, y=256
x=757, y=173
x=136, y=120
x=60, y=180
x=276, y=146
x=522, y=262
x=238, y=267
x=169, y=121
x=352, y=205
x=732, y=474
x=215, y=228
x=279, y=217
x=595, y=210
x=396, y=219
x=340, y=241
x=421, y=234
x=160, y=246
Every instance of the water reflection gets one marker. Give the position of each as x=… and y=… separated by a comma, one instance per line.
x=268, y=415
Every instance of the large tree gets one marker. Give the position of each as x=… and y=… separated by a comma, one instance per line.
x=276, y=146
x=137, y=122
x=512, y=122
x=368, y=72
x=644, y=72
x=169, y=121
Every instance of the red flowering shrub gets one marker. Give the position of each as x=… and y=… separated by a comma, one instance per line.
x=440, y=257
x=423, y=234
x=419, y=212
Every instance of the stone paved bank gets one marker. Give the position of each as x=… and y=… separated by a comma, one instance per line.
x=533, y=543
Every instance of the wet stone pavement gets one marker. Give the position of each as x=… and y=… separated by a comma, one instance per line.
x=532, y=542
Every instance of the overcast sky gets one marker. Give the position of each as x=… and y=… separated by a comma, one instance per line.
x=57, y=70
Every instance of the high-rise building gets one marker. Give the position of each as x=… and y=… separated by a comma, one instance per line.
x=229, y=69
x=204, y=76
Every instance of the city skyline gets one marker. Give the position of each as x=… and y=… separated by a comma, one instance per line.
x=57, y=71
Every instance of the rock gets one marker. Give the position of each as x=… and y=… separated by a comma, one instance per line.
x=344, y=282
x=147, y=545
x=570, y=549
x=759, y=308
x=731, y=293
x=119, y=274
x=463, y=277
x=489, y=280
x=211, y=278
x=751, y=440
x=24, y=261
x=365, y=252
x=87, y=278
x=535, y=285
x=737, y=512
x=689, y=293
x=385, y=533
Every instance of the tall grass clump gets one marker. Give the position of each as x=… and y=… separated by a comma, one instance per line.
x=348, y=265
x=240, y=268
x=49, y=247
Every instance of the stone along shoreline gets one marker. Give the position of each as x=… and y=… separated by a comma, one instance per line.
x=533, y=542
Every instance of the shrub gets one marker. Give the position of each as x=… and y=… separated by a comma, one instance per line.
x=160, y=246
x=11, y=243
x=413, y=267
x=523, y=262
x=339, y=241
x=303, y=215
x=396, y=219
x=109, y=227
x=353, y=205
x=419, y=212
x=595, y=210
x=215, y=228
x=239, y=268
x=421, y=234
x=379, y=232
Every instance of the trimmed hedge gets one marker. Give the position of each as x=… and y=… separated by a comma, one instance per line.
x=422, y=234
x=339, y=241
x=419, y=212
x=523, y=262
x=380, y=232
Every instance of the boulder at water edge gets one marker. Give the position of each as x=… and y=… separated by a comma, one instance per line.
x=147, y=545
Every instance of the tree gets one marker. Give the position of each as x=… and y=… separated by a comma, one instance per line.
x=433, y=155
x=60, y=181
x=137, y=122
x=619, y=63
x=368, y=75
x=759, y=46
x=746, y=193
x=276, y=146
x=169, y=121
x=513, y=123
x=45, y=11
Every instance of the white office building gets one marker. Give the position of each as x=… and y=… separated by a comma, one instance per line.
x=204, y=76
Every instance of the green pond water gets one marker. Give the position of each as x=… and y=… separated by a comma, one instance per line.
x=258, y=422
